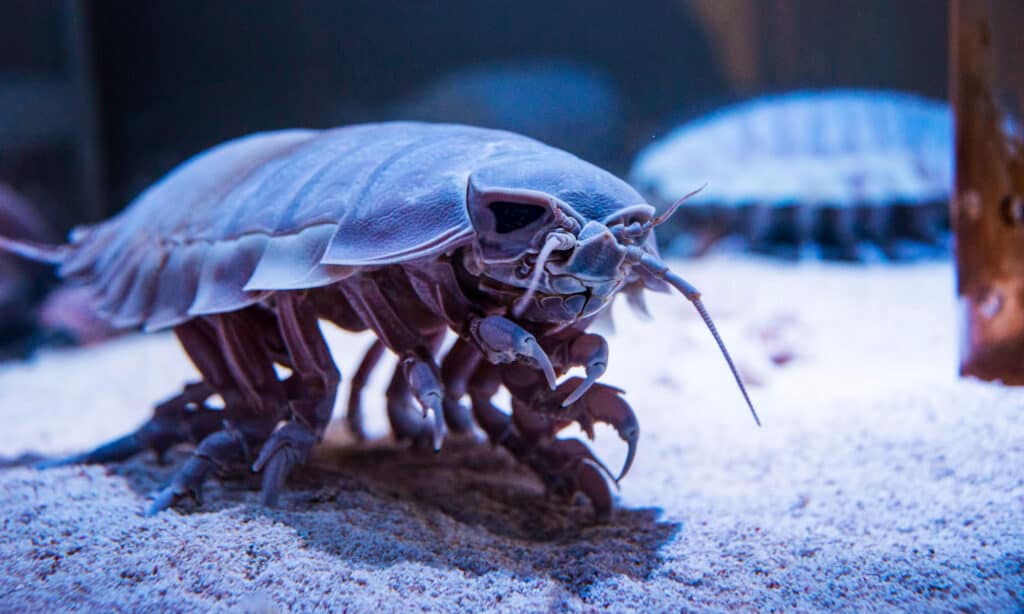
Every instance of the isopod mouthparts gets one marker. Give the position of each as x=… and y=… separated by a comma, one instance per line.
x=411, y=231
x=555, y=241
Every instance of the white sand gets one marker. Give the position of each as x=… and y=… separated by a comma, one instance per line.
x=879, y=480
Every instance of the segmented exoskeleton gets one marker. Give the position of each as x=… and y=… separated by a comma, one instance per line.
x=404, y=229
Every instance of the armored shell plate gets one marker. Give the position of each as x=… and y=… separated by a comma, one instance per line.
x=301, y=209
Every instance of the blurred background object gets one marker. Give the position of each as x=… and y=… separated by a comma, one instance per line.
x=795, y=172
x=988, y=94
x=22, y=283
x=568, y=104
x=777, y=45
x=99, y=99
x=34, y=309
x=48, y=132
x=135, y=88
x=177, y=77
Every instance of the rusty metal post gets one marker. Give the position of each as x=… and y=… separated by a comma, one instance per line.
x=987, y=88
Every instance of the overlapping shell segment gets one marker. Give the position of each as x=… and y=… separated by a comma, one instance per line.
x=299, y=209
x=831, y=168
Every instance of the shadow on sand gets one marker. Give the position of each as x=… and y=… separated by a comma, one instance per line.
x=471, y=507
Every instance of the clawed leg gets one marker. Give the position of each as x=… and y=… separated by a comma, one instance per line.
x=407, y=421
x=845, y=227
x=354, y=414
x=484, y=384
x=314, y=386
x=417, y=378
x=247, y=345
x=288, y=447
x=214, y=453
x=457, y=368
x=543, y=418
x=423, y=376
x=760, y=222
x=181, y=419
x=924, y=225
x=233, y=353
x=590, y=351
x=503, y=341
x=567, y=466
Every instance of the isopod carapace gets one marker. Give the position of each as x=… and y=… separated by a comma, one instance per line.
x=408, y=230
x=828, y=168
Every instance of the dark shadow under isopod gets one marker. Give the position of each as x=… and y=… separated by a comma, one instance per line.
x=471, y=507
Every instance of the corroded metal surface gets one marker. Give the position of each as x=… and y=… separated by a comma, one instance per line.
x=988, y=211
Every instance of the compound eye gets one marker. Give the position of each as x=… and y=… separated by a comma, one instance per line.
x=510, y=217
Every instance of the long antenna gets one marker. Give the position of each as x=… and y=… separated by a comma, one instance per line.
x=660, y=269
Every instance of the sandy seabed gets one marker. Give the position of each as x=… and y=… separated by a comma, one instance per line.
x=879, y=481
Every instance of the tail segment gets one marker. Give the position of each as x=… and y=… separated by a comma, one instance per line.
x=40, y=252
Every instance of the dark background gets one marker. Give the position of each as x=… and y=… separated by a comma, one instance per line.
x=108, y=95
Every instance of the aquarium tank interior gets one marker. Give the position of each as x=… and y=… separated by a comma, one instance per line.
x=673, y=305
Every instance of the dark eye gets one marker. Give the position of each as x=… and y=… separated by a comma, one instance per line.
x=513, y=216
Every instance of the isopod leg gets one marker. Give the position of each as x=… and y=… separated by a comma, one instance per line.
x=541, y=418
x=564, y=466
x=503, y=341
x=424, y=379
x=760, y=220
x=845, y=227
x=483, y=385
x=354, y=413
x=234, y=359
x=417, y=378
x=215, y=452
x=180, y=419
x=878, y=224
x=407, y=422
x=567, y=466
x=805, y=222
x=457, y=368
x=591, y=352
x=311, y=395
x=924, y=222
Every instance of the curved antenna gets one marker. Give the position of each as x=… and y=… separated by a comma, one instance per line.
x=660, y=269
x=661, y=219
x=554, y=242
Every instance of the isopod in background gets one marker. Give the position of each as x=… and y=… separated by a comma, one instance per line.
x=836, y=170
x=409, y=230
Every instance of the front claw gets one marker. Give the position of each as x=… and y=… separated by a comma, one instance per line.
x=287, y=447
x=603, y=403
x=592, y=484
x=592, y=352
x=503, y=341
x=567, y=466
